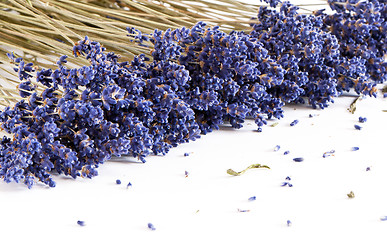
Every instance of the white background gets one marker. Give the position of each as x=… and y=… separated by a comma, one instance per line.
x=205, y=204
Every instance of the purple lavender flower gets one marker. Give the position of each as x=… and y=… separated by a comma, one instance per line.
x=81, y=223
x=295, y=122
x=362, y=119
x=151, y=226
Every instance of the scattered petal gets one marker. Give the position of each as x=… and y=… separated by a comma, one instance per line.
x=81, y=223
x=243, y=210
x=295, y=122
x=328, y=154
x=298, y=159
x=288, y=223
x=362, y=119
x=151, y=226
x=357, y=127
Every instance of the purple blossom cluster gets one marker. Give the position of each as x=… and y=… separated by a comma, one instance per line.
x=361, y=28
x=198, y=78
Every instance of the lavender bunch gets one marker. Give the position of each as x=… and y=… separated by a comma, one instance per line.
x=360, y=27
x=71, y=120
x=317, y=68
x=86, y=115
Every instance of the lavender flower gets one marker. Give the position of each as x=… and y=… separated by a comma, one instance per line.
x=288, y=223
x=253, y=198
x=276, y=148
x=197, y=79
x=81, y=223
x=151, y=226
x=362, y=119
x=298, y=159
x=295, y=122
x=357, y=127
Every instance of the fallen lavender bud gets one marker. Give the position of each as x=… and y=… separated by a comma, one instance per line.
x=81, y=223
x=295, y=122
x=328, y=154
x=362, y=119
x=151, y=226
x=288, y=223
x=298, y=159
x=357, y=127
x=243, y=210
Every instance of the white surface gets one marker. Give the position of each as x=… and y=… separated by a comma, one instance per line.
x=317, y=204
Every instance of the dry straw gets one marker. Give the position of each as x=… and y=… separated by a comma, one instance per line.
x=42, y=30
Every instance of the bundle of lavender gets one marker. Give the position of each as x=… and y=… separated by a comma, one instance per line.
x=45, y=29
x=189, y=81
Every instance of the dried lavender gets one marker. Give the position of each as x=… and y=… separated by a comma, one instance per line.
x=81, y=223
x=253, y=198
x=298, y=159
x=357, y=127
x=288, y=223
x=295, y=122
x=243, y=210
x=329, y=153
x=277, y=148
x=196, y=79
x=151, y=226
x=362, y=119
x=287, y=183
